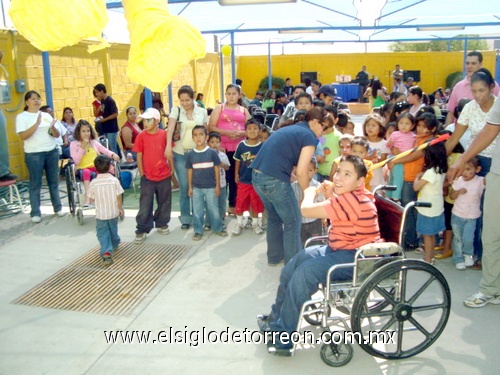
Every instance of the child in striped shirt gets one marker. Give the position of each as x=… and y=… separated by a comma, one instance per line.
x=106, y=192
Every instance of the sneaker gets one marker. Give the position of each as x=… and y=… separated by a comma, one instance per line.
x=257, y=229
x=478, y=266
x=460, y=266
x=207, y=228
x=224, y=227
x=197, y=236
x=164, y=230
x=36, y=219
x=140, y=237
x=275, y=264
x=420, y=250
x=106, y=259
x=480, y=300
x=249, y=223
x=60, y=213
x=469, y=260
x=222, y=233
x=185, y=226
x=237, y=229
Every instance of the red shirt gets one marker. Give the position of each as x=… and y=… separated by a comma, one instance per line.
x=353, y=219
x=152, y=147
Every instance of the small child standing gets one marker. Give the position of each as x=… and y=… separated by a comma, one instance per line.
x=155, y=175
x=345, y=141
x=247, y=197
x=214, y=143
x=360, y=147
x=328, y=146
x=310, y=226
x=467, y=192
x=400, y=140
x=429, y=184
x=106, y=192
x=204, y=183
x=374, y=131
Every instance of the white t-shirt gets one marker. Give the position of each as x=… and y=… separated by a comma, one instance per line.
x=473, y=116
x=200, y=118
x=467, y=206
x=432, y=192
x=378, y=174
x=41, y=140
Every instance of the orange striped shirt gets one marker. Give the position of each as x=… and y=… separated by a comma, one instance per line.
x=353, y=219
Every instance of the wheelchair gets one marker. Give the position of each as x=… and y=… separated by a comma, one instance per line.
x=397, y=307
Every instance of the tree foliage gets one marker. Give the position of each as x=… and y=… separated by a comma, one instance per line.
x=441, y=45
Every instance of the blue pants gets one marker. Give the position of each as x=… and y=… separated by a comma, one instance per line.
x=299, y=281
x=485, y=164
x=184, y=200
x=463, y=237
x=222, y=202
x=284, y=219
x=107, y=234
x=396, y=178
x=146, y=219
x=206, y=198
x=38, y=162
x=113, y=143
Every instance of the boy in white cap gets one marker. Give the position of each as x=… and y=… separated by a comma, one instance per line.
x=155, y=177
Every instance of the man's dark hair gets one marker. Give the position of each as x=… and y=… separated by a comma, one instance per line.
x=476, y=53
x=100, y=87
x=102, y=163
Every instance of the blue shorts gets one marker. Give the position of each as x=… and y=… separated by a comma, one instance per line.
x=429, y=226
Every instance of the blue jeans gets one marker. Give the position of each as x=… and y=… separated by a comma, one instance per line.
x=222, y=201
x=463, y=237
x=112, y=142
x=284, y=219
x=37, y=162
x=107, y=234
x=202, y=197
x=184, y=200
x=145, y=218
x=410, y=234
x=299, y=280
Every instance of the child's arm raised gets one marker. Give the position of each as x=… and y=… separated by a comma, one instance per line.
x=310, y=209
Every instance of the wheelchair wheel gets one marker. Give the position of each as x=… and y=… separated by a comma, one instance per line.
x=336, y=355
x=70, y=189
x=79, y=215
x=314, y=318
x=401, y=309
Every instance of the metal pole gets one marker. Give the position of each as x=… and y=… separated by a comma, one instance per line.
x=148, y=98
x=47, y=79
x=170, y=98
x=233, y=60
x=466, y=46
x=269, y=68
x=221, y=77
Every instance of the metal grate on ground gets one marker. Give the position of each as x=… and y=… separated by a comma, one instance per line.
x=86, y=285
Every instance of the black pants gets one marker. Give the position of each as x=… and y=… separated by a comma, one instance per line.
x=233, y=187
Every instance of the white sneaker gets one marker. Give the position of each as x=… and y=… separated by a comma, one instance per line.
x=60, y=213
x=140, y=238
x=164, y=230
x=36, y=219
x=480, y=300
x=257, y=229
x=460, y=266
x=237, y=229
x=469, y=260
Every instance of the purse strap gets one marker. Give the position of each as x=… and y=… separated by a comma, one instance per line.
x=178, y=113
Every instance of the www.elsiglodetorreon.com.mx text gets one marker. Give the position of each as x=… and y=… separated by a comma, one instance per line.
x=194, y=338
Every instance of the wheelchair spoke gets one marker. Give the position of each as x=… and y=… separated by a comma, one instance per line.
x=373, y=314
x=429, y=307
x=421, y=290
x=387, y=296
x=402, y=285
x=420, y=327
x=389, y=323
x=400, y=337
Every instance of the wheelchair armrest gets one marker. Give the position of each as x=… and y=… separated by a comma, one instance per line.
x=379, y=248
x=315, y=239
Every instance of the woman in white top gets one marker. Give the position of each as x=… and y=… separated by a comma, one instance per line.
x=38, y=132
x=416, y=99
x=189, y=115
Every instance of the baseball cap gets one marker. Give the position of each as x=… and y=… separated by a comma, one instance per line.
x=149, y=113
x=327, y=90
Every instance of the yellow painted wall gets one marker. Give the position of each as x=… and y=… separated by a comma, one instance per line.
x=75, y=72
x=434, y=67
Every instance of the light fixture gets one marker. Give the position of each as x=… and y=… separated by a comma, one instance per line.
x=440, y=28
x=253, y=2
x=300, y=31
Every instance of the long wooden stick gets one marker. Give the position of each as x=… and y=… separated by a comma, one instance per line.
x=380, y=164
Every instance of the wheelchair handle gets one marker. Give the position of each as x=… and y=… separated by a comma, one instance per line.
x=423, y=204
x=387, y=187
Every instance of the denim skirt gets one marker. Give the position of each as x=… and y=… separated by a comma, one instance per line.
x=429, y=226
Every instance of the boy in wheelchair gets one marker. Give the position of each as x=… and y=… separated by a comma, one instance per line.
x=353, y=215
